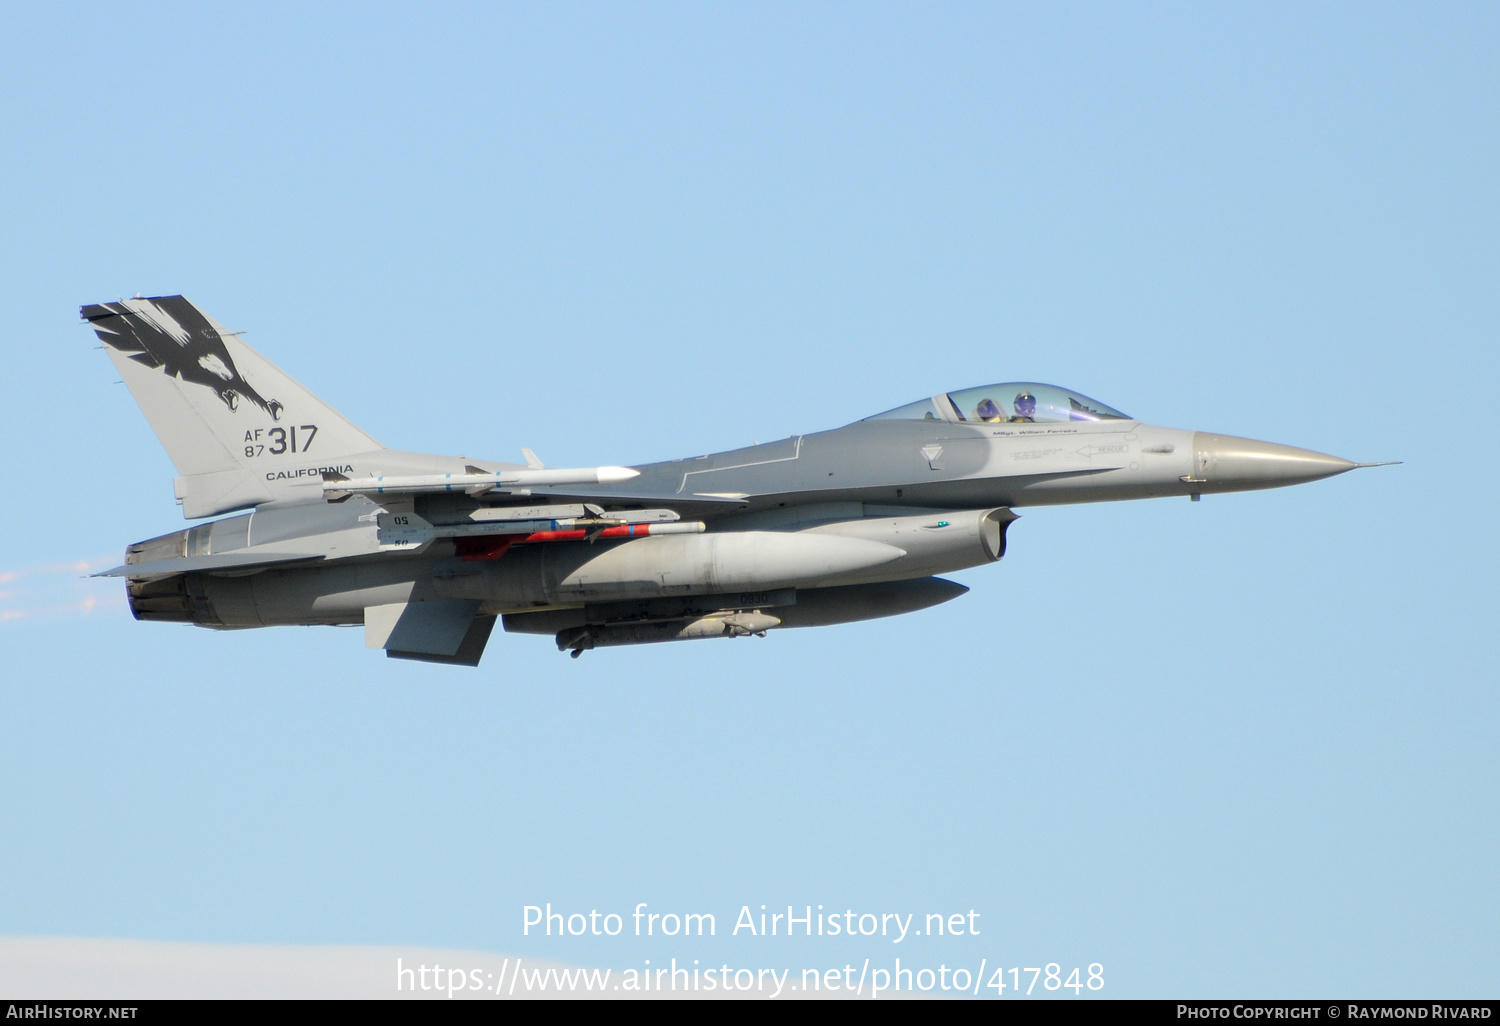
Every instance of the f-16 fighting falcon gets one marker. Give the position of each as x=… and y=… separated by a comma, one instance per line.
x=331, y=527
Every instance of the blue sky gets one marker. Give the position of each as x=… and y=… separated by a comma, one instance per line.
x=1242, y=747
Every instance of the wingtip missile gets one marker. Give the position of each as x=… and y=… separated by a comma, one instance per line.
x=335, y=486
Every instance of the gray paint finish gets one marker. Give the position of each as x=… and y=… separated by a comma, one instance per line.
x=816, y=529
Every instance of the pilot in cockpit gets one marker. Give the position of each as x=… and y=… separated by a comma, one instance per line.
x=1025, y=407
x=988, y=412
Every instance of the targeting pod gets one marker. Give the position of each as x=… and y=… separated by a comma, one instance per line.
x=720, y=625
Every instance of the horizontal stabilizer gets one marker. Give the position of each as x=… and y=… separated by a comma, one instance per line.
x=469, y=650
x=423, y=629
x=224, y=561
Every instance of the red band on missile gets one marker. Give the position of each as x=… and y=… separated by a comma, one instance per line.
x=493, y=546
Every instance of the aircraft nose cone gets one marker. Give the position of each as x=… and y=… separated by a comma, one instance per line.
x=1232, y=463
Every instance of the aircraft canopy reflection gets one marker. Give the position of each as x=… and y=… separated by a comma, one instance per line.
x=1015, y=402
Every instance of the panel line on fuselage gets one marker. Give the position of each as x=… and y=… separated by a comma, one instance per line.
x=796, y=454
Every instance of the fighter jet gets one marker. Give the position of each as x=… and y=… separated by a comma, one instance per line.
x=427, y=552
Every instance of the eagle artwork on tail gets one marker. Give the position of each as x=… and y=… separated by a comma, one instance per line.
x=170, y=333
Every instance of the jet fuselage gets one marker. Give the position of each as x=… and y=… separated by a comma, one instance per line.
x=428, y=551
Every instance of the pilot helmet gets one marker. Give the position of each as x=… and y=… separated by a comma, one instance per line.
x=987, y=410
x=1025, y=405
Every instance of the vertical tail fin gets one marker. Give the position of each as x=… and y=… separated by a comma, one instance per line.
x=225, y=414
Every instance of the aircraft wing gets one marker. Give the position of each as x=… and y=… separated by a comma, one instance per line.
x=592, y=485
x=684, y=504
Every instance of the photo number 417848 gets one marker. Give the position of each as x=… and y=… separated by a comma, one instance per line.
x=1051, y=978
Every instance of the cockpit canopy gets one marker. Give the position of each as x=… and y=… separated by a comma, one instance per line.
x=1015, y=402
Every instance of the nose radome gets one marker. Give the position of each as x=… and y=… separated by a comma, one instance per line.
x=1228, y=461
